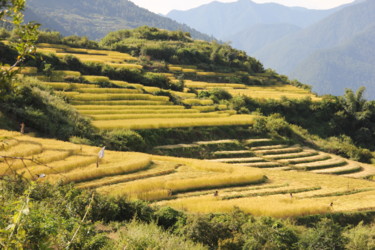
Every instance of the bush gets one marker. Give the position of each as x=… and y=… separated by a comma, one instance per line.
x=167, y=217
x=150, y=236
x=268, y=233
x=80, y=140
x=80, y=42
x=215, y=94
x=53, y=37
x=204, y=230
x=274, y=125
x=343, y=145
x=325, y=235
x=124, y=140
x=361, y=237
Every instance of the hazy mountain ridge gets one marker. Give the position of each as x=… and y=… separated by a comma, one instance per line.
x=96, y=18
x=225, y=19
x=350, y=65
x=257, y=36
x=285, y=54
x=331, y=55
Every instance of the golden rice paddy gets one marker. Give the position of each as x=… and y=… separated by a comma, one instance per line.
x=156, y=123
x=185, y=184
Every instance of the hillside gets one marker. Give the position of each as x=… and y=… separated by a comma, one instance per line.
x=146, y=104
x=342, y=27
x=95, y=19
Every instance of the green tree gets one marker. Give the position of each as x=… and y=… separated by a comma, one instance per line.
x=326, y=235
x=268, y=233
x=354, y=104
x=26, y=35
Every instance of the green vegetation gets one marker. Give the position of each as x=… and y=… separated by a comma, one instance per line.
x=178, y=48
x=41, y=109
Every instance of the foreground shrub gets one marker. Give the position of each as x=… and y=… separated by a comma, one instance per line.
x=268, y=233
x=325, y=235
x=150, y=236
x=361, y=237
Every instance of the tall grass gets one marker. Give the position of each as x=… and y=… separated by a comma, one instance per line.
x=122, y=102
x=152, y=108
x=154, y=170
x=105, y=111
x=321, y=164
x=182, y=94
x=59, y=75
x=129, y=164
x=274, y=92
x=279, y=151
x=198, y=102
x=149, y=236
x=340, y=170
x=174, y=122
x=156, y=116
x=156, y=189
x=151, y=89
x=29, y=70
x=60, y=167
x=304, y=153
x=215, y=181
x=126, y=84
x=239, y=160
x=22, y=149
x=94, y=79
x=107, y=90
x=7, y=143
x=45, y=157
x=276, y=206
x=67, y=86
x=233, y=153
x=126, y=65
x=205, y=85
x=259, y=164
x=307, y=159
x=110, y=96
x=205, y=108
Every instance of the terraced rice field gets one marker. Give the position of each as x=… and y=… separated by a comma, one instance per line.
x=187, y=184
x=132, y=94
x=112, y=108
x=266, y=153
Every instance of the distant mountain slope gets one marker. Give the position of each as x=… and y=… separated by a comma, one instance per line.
x=348, y=66
x=284, y=55
x=223, y=19
x=95, y=18
x=257, y=36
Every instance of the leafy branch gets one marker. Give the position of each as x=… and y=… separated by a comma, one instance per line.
x=24, y=44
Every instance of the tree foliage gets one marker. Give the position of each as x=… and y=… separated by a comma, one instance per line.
x=24, y=42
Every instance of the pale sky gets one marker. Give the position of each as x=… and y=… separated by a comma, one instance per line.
x=164, y=6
